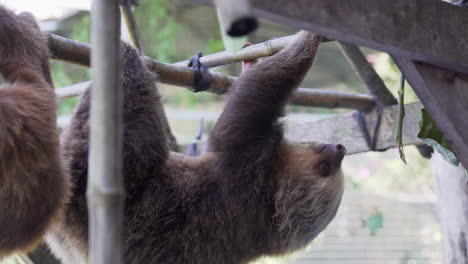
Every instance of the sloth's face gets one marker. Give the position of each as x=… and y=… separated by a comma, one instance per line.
x=310, y=187
x=313, y=159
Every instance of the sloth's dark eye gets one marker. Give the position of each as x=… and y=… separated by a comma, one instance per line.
x=324, y=168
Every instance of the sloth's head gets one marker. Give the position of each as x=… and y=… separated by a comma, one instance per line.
x=310, y=187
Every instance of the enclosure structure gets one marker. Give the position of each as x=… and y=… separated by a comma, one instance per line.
x=431, y=52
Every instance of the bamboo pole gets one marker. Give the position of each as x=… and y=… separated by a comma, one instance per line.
x=312, y=97
x=332, y=99
x=251, y=52
x=72, y=51
x=105, y=191
x=179, y=75
x=72, y=90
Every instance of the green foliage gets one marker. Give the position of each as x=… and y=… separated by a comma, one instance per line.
x=213, y=45
x=433, y=136
x=374, y=222
x=81, y=30
x=158, y=30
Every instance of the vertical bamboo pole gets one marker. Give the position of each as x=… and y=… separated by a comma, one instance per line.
x=105, y=193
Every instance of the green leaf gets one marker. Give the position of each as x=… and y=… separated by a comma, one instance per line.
x=374, y=222
x=431, y=135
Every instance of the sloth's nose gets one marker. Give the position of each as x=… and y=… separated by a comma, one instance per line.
x=335, y=153
x=339, y=149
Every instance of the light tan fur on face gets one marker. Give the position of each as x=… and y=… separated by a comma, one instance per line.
x=303, y=194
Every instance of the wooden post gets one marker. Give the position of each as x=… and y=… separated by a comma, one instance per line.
x=236, y=17
x=452, y=205
x=367, y=74
x=105, y=192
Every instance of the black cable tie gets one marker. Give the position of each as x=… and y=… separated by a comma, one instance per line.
x=201, y=74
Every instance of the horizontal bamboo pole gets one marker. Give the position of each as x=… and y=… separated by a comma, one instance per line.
x=251, y=52
x=303, y=96
x=332, y=99
x=178, y=75
x=72, y=90
x=71, y=51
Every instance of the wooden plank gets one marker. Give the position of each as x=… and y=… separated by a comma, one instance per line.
x=445, y=95
x=344, y=129
x=412, y=29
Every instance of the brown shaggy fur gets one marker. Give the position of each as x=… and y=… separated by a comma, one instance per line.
x=253, y=193
x=33, y=186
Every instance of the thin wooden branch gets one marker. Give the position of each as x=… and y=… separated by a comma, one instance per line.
x=105, y=190
x=236, y=17
x=367, y=74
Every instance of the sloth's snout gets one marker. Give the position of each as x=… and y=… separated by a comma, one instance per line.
x=339, y=149
x=332, y=156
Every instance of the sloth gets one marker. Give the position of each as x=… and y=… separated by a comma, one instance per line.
x=252, y=193
x=33, y=180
